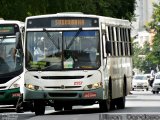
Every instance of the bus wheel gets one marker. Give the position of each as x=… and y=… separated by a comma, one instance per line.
x=105, y=104
x=58, y=107
x=39, y=107
x=121, y=103
x=67, y=107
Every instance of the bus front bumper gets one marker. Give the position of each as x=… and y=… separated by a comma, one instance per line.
x=95, y=94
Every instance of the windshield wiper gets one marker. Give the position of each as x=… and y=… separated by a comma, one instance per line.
x=51, y=38
x=77, y=33
x=51, y=67
x=2, y=39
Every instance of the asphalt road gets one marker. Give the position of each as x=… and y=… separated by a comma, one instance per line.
x=139, y=102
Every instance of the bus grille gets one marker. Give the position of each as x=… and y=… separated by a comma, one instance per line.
x=62, y=87
x=3, y=87
x=63, y=94
x=62, y=77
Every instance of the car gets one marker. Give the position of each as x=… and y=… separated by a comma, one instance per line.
x=156, y=84
x=140, y=82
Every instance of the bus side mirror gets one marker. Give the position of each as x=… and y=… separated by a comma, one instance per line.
x=18, y=41
x=108, y=47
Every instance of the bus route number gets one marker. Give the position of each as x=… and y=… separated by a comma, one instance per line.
x=78, y=83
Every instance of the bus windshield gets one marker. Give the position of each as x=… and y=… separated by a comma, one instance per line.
x=60, y=50
x=11, y=59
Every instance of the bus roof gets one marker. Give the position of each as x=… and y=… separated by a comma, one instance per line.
x=12, y=22
x=103, y=19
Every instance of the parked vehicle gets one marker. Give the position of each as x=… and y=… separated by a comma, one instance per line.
x=156, y=84
x=140, y=82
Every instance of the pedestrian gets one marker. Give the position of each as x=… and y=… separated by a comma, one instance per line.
x=152, y=77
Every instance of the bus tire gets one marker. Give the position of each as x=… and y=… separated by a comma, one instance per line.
x=108, y=104
x=58, y=107
x=67, y=107
x=121, y=101
x=39, y=107
x=105, y=105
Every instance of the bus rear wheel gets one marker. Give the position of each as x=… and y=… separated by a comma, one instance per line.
x=121, y=103
x=39, y=107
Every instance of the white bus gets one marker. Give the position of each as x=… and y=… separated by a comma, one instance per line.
x=11, y=61
x=77, y=59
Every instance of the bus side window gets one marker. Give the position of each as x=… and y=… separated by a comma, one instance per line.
x=108, y=47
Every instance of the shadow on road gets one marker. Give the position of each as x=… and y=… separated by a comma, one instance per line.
x=78, y=111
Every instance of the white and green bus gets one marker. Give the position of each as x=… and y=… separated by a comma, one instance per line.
x=11, y=61
x=77, y=59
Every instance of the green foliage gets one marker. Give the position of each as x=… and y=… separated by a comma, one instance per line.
x=154, y=55
x=141, y=58
x=20, y=9
x=121, y=8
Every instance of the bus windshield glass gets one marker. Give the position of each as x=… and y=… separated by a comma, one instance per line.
x=60, y=50
x=10, y=58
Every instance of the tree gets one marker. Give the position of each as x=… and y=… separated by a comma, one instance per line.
x=141, y=59
x=154, y=55
x=20, y=9
x=123, y=9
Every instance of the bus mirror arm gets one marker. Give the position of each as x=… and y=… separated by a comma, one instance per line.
x=18, y=41
x=108, y=47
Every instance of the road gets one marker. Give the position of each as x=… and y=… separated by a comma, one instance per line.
x=139, y=102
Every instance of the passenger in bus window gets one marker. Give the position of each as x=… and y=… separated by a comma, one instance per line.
x=91, y=49
x=41, y=50
x=4, y=68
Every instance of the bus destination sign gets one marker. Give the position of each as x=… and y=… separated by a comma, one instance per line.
x=62, y=22
x=74, y=22
x=8, y=29
x=4, y=30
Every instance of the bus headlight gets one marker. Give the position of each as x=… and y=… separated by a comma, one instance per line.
x=93, y=86
x=32, y=87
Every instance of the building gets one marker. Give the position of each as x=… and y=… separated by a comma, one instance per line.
x=142, y=37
